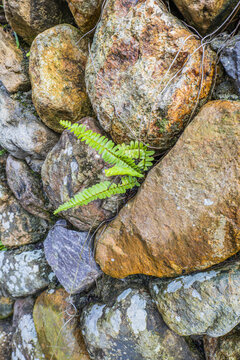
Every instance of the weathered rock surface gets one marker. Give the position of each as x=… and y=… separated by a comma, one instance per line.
x=6, y=332
x=25, y=273
x=57, y=64
x=57, y=327
x=13, y=66
x=27, y=188
x=144, y=72
x=17, y=226
x=22, y=133
x=85, y=13
x=202, y=303
x=29, y=18
x=131, y=329
x=206, y=16
x=230, y=59
x=70, y=256
x=72, y=166
x=6, y=306
x=185, y=216
x=224, y=347
x=25, y=343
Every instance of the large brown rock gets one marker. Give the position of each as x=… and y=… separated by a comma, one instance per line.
x=85, y=13
x=57, y=65
x=29, y=17
x=144, y=73
x=13, y=65
x=186, y=214
x=206, y=16
x=72, y=166
x=57, y=327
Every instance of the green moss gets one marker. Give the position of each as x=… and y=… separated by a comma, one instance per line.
x=162, y=124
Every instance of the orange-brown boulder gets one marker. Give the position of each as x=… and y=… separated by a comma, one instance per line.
x=146, y=72
x=186, y=214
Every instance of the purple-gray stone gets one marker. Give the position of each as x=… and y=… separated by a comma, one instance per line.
x=70, y=257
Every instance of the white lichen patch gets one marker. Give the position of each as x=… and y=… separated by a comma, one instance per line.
x=115, y=321
x=92, y=319
x=208, y=202
x=123, y=295
x=137, y=314
x=196, y=294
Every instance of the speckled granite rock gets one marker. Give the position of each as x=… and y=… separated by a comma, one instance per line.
x=22, y=133
x=202, y=303
x=6, y=332
x=185, y=216
x=25, y=345
x=85, y=13
x=70, y=256
x=224, y=347
x=13, y=65
x=206, y=16
x=29, y=18
x=56, y=68
x=24, y=273
x=144, y=72
x=72, y=166
x=6, y=306
x=131, y=329
x=17, y=226
x=58, y=328
x=27, y=188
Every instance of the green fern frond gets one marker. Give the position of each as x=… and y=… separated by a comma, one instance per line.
x=99, y=191
x=118, y=170
x=2, y=247
x=105, y=147
x=137, y=150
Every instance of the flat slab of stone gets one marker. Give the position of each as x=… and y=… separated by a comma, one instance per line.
x=185, y=216
x=71, y=258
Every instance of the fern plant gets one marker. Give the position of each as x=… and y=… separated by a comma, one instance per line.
x=129, y=161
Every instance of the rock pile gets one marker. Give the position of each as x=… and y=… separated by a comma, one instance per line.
x=147, y=276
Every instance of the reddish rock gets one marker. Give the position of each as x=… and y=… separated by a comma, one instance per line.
x=186, y=214
x=224, y=347
x=57, y=65
x=144, y=73
x=29, y=17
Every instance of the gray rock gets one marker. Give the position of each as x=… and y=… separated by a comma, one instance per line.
x=72, y=166
x=25, y=343
x=22, y=133
x=6, y=332
x=17, y=226
x=27, y=188
x=230, y=59
x=70, y=256
x=25, y=273
x=131, y=329
x=202, y=303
